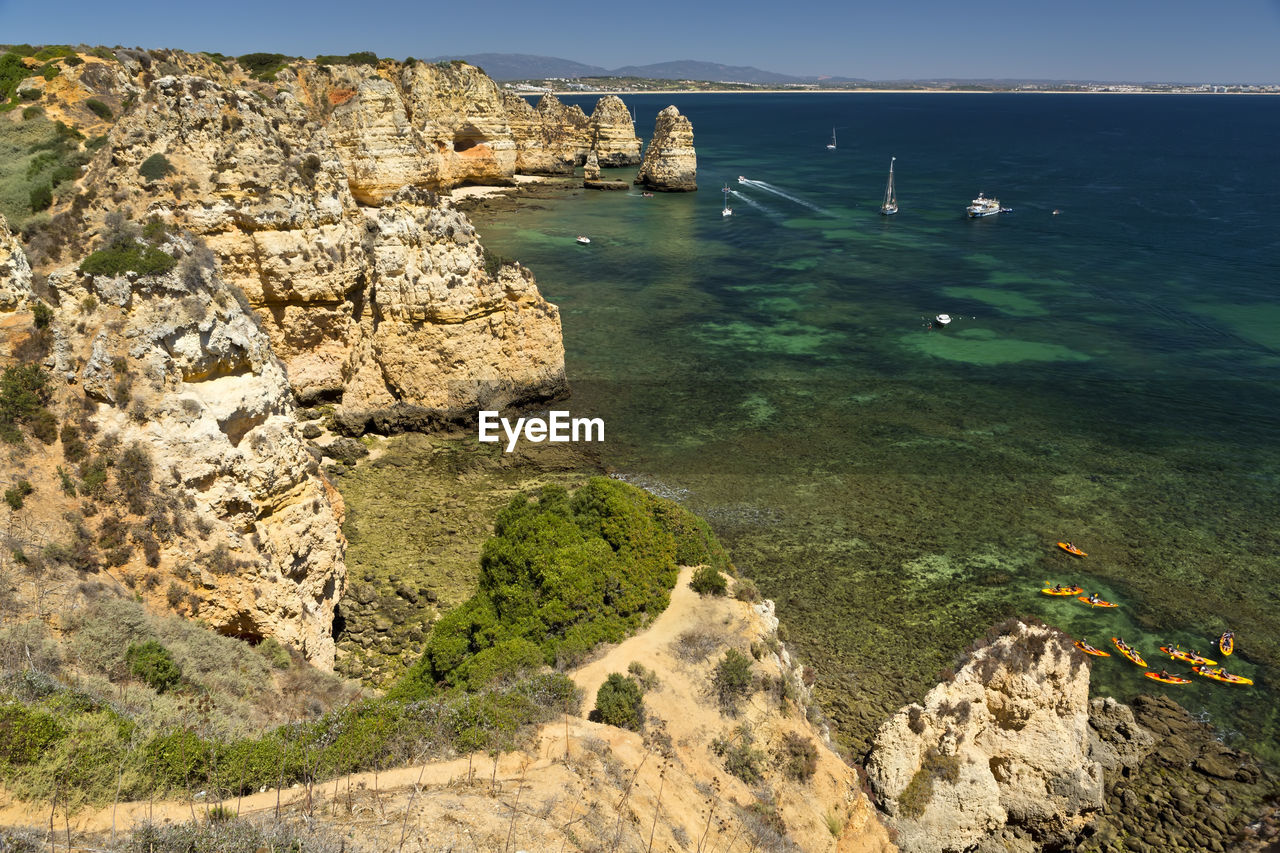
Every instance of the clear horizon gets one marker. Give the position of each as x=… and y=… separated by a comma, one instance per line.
x=1176, y=41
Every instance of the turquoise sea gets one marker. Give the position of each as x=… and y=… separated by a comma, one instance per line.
x=1109, y=378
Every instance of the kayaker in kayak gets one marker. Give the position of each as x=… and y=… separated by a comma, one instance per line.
x=1057, y=587
x=1094, y=598
x=1164, y=673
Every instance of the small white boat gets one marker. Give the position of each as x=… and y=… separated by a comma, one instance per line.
x=831, y=146
x=582, y=239
x=741, y=179
x=942, y=320
x=728, y=211
x=890, y=205
x=982, y=206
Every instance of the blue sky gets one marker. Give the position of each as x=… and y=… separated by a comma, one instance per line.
x=1173, y=40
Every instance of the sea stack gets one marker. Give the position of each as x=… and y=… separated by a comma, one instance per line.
x=613, y=134
x=670, y=163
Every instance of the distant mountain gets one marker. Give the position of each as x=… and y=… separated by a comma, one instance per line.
x=523, y=66
x=689, y=69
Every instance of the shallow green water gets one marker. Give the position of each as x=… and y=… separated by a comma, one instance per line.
x=1108, y=379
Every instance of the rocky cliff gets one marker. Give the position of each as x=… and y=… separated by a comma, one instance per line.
x=386, y=307
x=553, y=139
x=15, y=270
x=177, y=443
x=999, y=756
x=670, y=162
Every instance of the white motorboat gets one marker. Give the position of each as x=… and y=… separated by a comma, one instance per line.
x=942, y=320
x=983, y=206
x=582, y=239
x=741, y=179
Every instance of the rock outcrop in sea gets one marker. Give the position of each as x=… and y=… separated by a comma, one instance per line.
x=670, y=162
x=613, y=134
x=998, y=757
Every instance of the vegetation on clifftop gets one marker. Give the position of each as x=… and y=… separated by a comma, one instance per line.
x=561, y=575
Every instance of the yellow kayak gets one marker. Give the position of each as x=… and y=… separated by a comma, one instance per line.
x=1065, y=590
x=1227, y=644
x=1222, y=675
x=1128, y=651
x=1189, y=657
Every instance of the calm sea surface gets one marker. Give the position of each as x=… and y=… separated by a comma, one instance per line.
x=1109, y=378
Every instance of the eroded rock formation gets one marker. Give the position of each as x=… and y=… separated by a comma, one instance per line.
x=613, y=134
x=670, y=162
x=391, y=310
x=999, y=755
x=15, y=271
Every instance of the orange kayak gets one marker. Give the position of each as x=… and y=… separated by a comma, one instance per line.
x=1128, y=651
x=1222, y=675
x=1090, y=650
x=1066, y=590
x=1098, y=603
x=1227, y=644
x=1189, y=657
x=1167, y=679
x=1072, y=549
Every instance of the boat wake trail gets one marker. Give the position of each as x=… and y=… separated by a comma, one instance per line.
x=765, y=209
x=770, y=188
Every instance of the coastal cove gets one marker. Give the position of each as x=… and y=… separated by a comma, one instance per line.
x=896, y=488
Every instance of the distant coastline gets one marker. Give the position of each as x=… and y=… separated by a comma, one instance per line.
x=878, y=91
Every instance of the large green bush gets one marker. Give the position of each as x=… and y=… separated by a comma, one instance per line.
x=152, y=663
x=565, y=574
x=732, y=680
x=120, y=259
x=707, y=581
x=24, y=390
x=620, y=702
x=156, y=167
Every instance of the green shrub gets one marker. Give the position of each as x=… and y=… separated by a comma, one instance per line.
x=25, y=733
x=17, y=494
x=95, y=143
x=41, y=197
x=133, y=477
x=118, y=260
x=24, y=390
x=741, y=758
x=746, y=590
x=362, y=57
x=732, y=680
x=99, y=109
x=73, y=447
x=798, y=756
x=29, y=94
x=33, y=111
x=156, y=167
x=707, y=581
x=277, y=655
x=915, y=797
x=263, y=66
x=41, y=315
x=152, y=663
x=564, y=574
x=50, y=71
x=620, y=702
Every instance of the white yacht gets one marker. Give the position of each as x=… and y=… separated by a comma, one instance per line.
x=728, y=211
x=831, y=146
x=982, y=206
x=942, y=320
x=890, y=205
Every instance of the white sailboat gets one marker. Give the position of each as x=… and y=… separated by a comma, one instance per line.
x=728, y=211
x=890, y=205
x=832, y=145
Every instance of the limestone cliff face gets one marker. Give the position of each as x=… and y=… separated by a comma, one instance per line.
x=613, y=134
x=670, y=162
x=212, y=404
x=551, y=139
x=998, y=756
x=15, y=271
x=348, y=295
